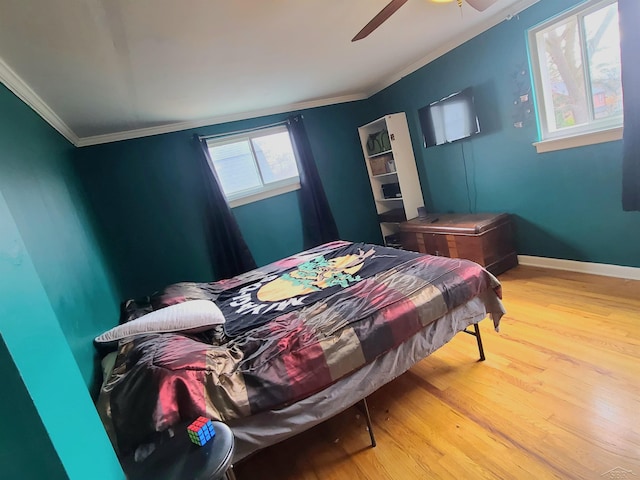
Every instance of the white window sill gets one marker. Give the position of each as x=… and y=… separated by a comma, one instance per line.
x=267, y=193
x=580, y=140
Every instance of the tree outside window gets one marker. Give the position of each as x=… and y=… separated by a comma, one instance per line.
x=576, y=65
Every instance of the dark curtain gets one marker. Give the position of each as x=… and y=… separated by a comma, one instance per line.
x=629, y=13
x=318, y=224
x=228, y=250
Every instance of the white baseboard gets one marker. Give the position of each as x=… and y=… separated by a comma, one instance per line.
x=631, y=273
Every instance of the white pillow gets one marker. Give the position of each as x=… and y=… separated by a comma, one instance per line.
x=194, y=315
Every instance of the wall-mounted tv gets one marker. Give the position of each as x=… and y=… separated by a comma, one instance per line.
x=450, y=119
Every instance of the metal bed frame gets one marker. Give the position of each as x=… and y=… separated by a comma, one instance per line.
x=364, y=407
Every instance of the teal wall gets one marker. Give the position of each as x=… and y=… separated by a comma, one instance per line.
x=40, y=187
x=567, y=203
x=23, y=438
x=148, y=198
x=38, y=348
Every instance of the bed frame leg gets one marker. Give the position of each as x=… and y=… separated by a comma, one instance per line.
x=229, y=474
x=476, y=333
x=365, y=409
x=476, y=328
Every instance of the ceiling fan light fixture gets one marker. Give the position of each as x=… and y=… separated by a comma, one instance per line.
x=481, y=5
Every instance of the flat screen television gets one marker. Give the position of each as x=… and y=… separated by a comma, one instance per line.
x=450, y=119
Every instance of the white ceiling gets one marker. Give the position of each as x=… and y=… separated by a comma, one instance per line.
x=102, y=70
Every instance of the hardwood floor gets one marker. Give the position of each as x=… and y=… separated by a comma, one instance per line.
x=557, y=398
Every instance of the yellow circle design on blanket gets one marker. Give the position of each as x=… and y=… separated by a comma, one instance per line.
x=304, y=281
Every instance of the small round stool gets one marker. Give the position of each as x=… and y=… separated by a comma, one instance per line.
x=177, y=458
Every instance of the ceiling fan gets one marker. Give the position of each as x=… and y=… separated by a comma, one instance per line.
x=394, y=5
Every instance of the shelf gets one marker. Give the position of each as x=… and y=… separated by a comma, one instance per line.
x=376, y=124
x=392, y=240
x=394, y=216
x=382, y=175
x=386, y=152
x=403, y=180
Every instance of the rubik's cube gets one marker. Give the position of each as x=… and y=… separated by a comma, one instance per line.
x=201, y=431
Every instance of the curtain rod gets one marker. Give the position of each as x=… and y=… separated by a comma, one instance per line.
x=238, y=132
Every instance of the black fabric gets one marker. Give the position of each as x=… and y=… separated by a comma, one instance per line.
x=317, y=278
x=629, y=13
x=318, y=224
x=229, y=252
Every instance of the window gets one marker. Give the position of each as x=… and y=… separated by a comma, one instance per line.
x=575, y=59
x=254, y=165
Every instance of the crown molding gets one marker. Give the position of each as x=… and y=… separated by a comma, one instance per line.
x=20, y=89
x=504, y=14
x=618, y=271
x=179, y=126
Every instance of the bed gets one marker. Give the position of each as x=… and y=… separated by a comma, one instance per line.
x=303, y=339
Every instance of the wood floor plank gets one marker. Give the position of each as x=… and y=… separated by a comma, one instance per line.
x=557, y=398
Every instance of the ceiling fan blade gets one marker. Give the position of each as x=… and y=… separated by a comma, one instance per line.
x=379, y=19
x=481, y=5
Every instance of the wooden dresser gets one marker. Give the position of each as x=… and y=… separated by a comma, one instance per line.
x=485, y=238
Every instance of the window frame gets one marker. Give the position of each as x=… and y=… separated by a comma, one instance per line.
x=596, y=130
x=264, y=191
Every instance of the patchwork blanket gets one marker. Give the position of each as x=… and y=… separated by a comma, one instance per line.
x=293, y=328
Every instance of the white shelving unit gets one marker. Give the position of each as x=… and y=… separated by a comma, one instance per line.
x=405, y=206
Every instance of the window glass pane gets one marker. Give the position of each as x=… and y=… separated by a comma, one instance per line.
x=563, y=75
x=603, y=47
x=235, y=167
x=275, y=157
